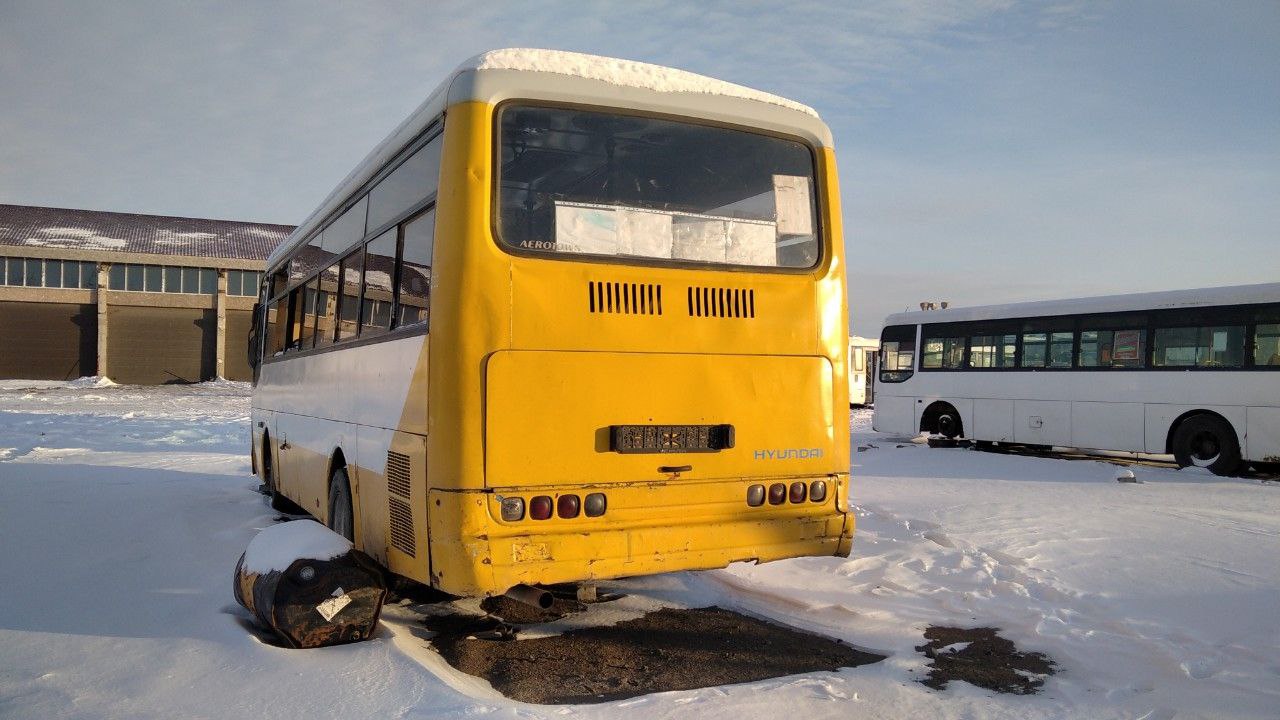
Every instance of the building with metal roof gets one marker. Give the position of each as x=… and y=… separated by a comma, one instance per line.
x=135, y=298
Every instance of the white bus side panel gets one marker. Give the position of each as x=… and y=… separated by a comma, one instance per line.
x=1041, y=422
x=1107, y=424
x=895, y=415
x=993, y=420
x=1264, y=433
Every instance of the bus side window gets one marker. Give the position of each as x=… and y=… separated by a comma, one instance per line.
x=273, y=338
x=1266, y=347
x=379, y=284
x=897, y=353
x=414, y=269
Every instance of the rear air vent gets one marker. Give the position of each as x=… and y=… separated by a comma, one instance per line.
x=712, y=302
x=624, y=298
x=398, y=474
x=401, y=526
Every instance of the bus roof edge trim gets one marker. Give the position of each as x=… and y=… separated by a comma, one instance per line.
x=1165, y=300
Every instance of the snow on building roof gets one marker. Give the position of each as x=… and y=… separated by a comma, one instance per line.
x=625, y=73
x=1167, y=300
x=97, y=230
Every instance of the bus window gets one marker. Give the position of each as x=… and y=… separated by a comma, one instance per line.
x=1060, y=349
x=379, y=290
x=610, y=184
x=1199, y=347
x=415, y=269
x=1266, y=346
x=943, y=352
x=1033, y=349
x=274, y=339
x=326, y=305
x=992, y=351
x=1113, y=348
x=349, y=305
x=897, y=353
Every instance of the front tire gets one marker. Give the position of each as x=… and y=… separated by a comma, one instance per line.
x=948, y=424
x=341, y=517
x=1209, y=442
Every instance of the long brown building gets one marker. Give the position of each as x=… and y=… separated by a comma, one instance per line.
x=141, y=299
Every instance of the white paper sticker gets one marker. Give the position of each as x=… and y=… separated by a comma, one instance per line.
x=698, y=239
x=751, y=243
x=590, y=230
x=644, y=234
x=331, y=607
x=794, y=210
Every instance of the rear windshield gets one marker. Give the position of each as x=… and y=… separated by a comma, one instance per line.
x=583, y=182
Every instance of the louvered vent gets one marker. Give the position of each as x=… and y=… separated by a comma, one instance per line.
x=624, y=298
x=398, y=474
x=401, y=526
x=712, y=302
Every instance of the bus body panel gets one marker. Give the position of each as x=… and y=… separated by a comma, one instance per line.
x=1099, y=424
x=993, y=419
x=1264, y=433
x=650, y=527
x=549, y=413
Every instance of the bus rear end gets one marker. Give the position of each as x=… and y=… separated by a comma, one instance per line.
x=638, y=356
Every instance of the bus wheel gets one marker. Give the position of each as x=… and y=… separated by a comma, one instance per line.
x=341, y=518
x=1207, y=441
x=948, y=423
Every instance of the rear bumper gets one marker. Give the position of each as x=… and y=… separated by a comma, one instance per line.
x=648, y=528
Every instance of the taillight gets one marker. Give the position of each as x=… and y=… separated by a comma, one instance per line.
x=755, y=495
x=540, y=507
x=818, y=490
x=568, y=506
x=512, y=509
x=594, y=505
x=777, y=494
x=798, y=492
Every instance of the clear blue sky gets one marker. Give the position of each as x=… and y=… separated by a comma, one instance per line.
x=990, y=151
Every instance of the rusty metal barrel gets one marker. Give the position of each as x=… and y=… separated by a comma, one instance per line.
x=309, y=585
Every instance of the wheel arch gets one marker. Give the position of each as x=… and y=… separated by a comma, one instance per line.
x=1173, y=427
x=929, y=417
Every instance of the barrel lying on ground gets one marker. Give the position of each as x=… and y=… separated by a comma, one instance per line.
x=309, y=585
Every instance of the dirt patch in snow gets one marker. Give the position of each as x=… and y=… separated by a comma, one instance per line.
x=980, y=657
x=670, y=649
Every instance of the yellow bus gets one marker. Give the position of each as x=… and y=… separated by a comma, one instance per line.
x=576, y=318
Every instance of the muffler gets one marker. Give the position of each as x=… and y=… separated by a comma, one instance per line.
x=531, y=596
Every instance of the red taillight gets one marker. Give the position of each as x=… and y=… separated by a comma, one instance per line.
x=777, y=494
x=798, y=492
x=540, y=507
x=568, y=506
x=818, y=491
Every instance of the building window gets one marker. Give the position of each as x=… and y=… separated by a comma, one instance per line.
x=243, y=283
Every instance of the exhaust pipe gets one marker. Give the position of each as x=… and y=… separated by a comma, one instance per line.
x=532, y=596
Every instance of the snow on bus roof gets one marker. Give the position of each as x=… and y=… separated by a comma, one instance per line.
x=625, y=73
x=1171, y=299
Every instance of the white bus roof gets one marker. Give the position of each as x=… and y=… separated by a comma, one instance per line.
x=558, y=76
x=1172, y=299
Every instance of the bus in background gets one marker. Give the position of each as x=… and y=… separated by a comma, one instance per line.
x=862, y=371
x=1191, y=373
x=576, y=318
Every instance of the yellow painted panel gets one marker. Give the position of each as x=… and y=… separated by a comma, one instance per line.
x=549, y=413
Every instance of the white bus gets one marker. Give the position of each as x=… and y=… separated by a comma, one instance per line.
x=862, y=371
x=1191, y=373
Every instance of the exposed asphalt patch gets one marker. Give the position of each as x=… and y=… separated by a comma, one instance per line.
x=670, y=649
x=980, y=657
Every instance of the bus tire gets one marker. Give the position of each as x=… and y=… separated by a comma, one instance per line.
x=341, y=517
x=948, y=424
x=1209, y=442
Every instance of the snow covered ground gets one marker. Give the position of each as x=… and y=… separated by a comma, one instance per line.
x=124, y=509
